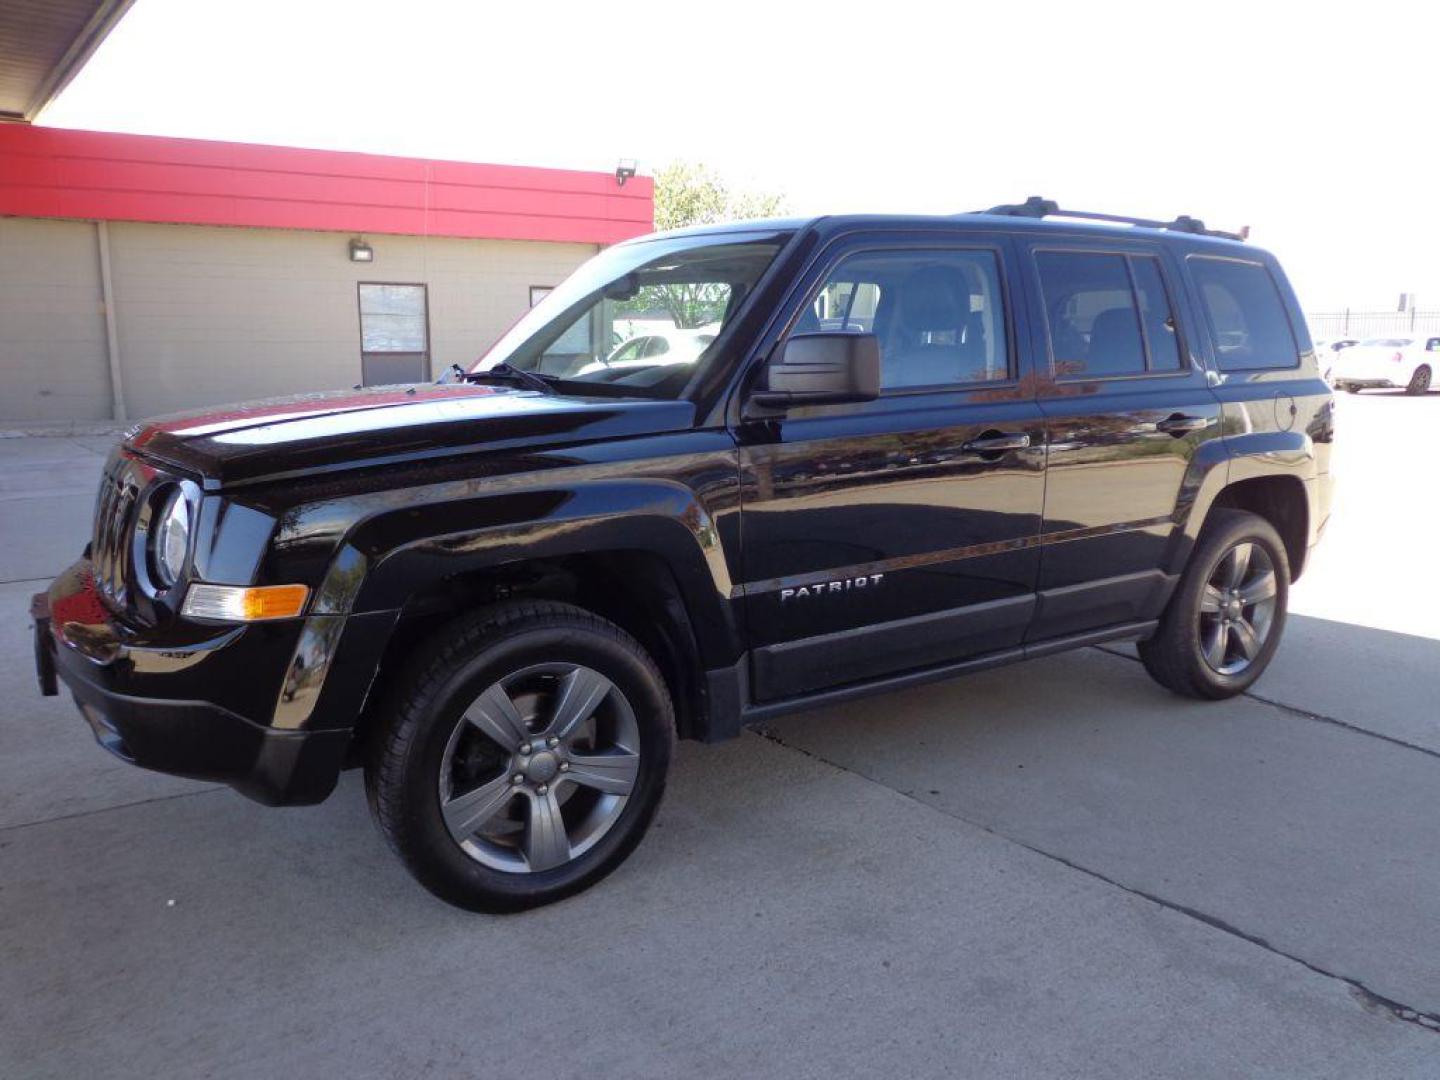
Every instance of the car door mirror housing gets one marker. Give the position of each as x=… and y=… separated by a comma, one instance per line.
x=822, y=369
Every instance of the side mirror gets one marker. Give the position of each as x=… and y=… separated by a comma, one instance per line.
x=822, y=369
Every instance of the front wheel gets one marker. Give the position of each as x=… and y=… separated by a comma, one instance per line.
x=1223, y=624
x=524, y=756
x=1420, y=381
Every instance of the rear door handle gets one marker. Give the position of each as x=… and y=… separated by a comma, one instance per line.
x=994, y=442
x=1179, y=424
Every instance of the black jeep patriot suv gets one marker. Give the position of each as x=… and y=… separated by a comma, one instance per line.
x=718, y=475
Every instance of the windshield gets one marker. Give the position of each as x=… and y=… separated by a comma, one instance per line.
x=1389, y=342
x=639, y=318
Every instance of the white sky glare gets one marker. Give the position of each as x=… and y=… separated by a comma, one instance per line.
x=1315, y=124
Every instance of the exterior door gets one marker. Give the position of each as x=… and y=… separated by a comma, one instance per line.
x=394, y=334
x=897, y=534
x=1127, y=405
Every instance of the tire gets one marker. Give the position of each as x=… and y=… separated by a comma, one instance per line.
x=1420, y=381
x=1351, y=388
x=479, y=722
x=1182, y=655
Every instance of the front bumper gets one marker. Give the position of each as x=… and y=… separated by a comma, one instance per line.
x=189, y=702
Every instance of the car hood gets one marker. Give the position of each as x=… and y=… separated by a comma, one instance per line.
x=347, y=429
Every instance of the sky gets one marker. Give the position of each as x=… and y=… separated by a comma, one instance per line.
x=1315, y=124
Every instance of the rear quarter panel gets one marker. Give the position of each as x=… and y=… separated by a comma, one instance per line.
x=1276, y=421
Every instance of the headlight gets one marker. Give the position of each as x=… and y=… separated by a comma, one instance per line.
x=171, y=539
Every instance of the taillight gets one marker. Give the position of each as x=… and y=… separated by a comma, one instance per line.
x=1398, y=358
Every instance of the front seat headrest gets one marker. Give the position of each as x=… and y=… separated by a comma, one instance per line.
x=930, y=301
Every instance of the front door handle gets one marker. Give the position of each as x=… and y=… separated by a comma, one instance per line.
x=995, y=442
x=1179, y=424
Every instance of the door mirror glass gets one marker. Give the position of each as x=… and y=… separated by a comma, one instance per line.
x=824, y=368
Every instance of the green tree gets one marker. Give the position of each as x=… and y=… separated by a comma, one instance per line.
x=687, y=193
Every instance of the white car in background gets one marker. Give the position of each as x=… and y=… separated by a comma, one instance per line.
x=1407, y=361
x=1325, y=350
x=661, y=346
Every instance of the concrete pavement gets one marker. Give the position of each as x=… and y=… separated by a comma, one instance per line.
x=1049, y=870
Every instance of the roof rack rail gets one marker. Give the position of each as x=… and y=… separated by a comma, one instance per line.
x=1036, y=207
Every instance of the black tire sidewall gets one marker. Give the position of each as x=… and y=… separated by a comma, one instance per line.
x=1238, y=529
x=435, y=858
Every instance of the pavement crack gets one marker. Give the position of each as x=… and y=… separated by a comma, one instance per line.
x=1362, y=993
x=107, y=809
x=1306, y=714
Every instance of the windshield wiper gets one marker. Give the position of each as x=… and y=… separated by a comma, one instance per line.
x=507, y=372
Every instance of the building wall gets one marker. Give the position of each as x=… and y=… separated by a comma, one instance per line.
x=53, y=359
x=209, y=314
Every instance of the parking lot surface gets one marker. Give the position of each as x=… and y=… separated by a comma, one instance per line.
x=1050, y=870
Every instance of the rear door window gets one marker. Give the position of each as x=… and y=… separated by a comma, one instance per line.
x=1108, y=314
x=1246, y=315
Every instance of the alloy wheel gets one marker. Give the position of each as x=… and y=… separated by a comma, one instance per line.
x=1237, y=608
x=539, y=768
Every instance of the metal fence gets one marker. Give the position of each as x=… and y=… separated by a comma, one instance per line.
x=1365, y=324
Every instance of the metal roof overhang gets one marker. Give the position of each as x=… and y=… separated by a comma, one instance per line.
x=43, y=44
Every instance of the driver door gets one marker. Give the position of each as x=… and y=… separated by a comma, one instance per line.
x=892, y=536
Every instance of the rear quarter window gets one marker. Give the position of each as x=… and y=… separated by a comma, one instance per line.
x=1246, y=315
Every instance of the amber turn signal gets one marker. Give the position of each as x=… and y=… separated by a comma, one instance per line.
x=234, y=603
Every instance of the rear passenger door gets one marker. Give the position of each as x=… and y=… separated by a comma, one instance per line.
x=1126, y=404
x=894, y=535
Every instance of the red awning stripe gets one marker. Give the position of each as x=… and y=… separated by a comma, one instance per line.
x=50, y=172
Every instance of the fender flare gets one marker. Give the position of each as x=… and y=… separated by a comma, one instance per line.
x=410, y=549
x=1219, y=463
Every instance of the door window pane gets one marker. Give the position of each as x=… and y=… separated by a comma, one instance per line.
x=1090, y=308
x=1155, y=314
x=938, y=314
x=392, y=318
x=1108, y=314
x=1247, y=316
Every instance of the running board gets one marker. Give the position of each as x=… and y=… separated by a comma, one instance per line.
x=756, y=713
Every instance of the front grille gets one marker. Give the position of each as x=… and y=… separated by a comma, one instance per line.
x=110, y=544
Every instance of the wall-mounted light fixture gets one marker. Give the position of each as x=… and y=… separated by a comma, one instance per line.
x=360, y=251
x=624, y=171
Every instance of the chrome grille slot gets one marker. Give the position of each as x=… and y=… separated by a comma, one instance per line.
x=110, y=542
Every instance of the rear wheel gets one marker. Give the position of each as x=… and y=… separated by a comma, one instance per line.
x=524, y=757
x=1350, y=388
x=1224, y=622
x=1420, y=381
